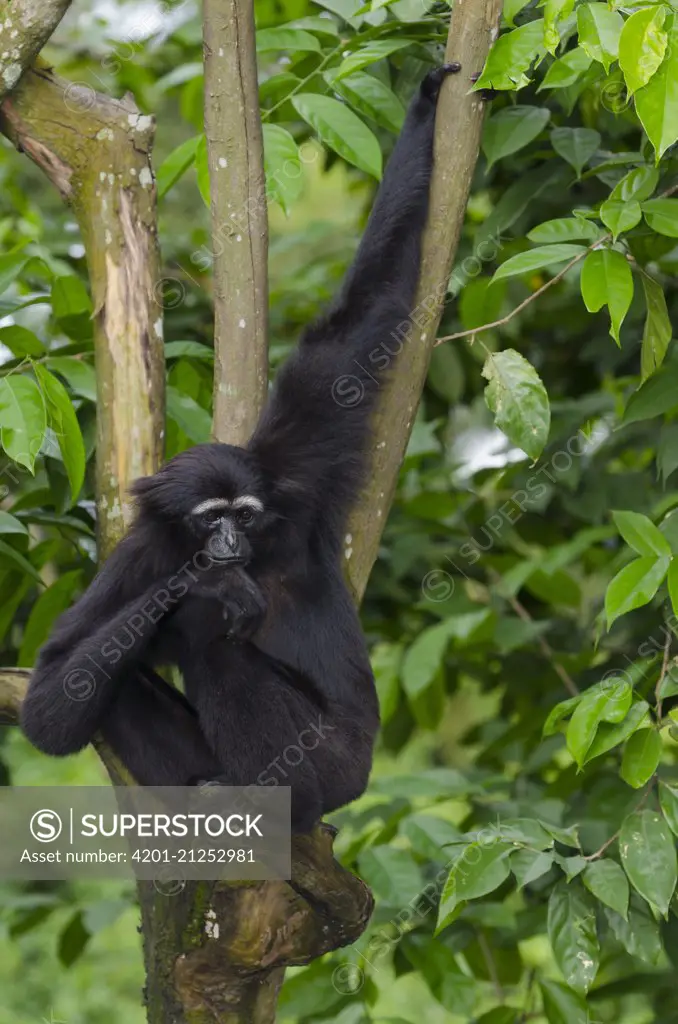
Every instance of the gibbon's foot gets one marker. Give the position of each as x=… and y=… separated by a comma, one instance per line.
x=430, y=86
x=485, y=94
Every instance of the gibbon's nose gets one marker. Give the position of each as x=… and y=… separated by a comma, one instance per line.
x=228, y=545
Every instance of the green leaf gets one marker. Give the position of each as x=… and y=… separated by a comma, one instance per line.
x=642, y=46
x=518, y=400
x=658, y=331
x=536, y=259
x=11, y=265
x=599, y=32
x=609, y=736
x=512, y=129
x=21, y=342
x=284, y=176
x=64, y=423
x=386, y=659
x=527, y=831
x=638, y=184
x=657, y=102
x=648, y=854
x=78, y=374
x=44, y=613
x=176, y=164
x=667, y=462
x=608, y=703
x=424, y=657
x=657, y=395
x=511, y=8
x=188, y=350
x=70, y=298
x=371, y=97
x=662, y=216
x=529, y=865
x=571, y=923
x=292, y=39
x=668, y=800
x=10, y=524
x=619, y=216
x=575, y=145
x=369, y=54
x=558, y=714
x=341, y=130
x=640, y=934
x=564, y=229
x=555, y=11
x=567, y=70
x=393, y=874
x=23, y=416
x=195, y=421
x=202, y=170
x=73, y=940
x=479, y=870
x=608, y=883
x=572, y=866
x=606, y=280
x=641, y=534
x=429, y=835
x=18, y=559
x=634, y=586
x=641, y=757
x=511, y=56
x=562, y=1005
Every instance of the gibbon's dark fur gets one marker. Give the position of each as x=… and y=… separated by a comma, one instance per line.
x=277, y=679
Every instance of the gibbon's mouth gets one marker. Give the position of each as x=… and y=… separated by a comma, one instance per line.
x=228, y=559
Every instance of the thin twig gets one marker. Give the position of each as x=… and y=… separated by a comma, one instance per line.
x=529, y=299
x=491, y=965
x=613, y=839
x=544, y=646
x=540, y=291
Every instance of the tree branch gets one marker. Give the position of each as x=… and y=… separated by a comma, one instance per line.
x=26, y=29
x=460, y=119
x=239, y=218
x=96, y=151
x=13, y=683
x=545, y=287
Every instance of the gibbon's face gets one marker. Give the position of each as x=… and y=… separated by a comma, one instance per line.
x=226, y=526
x=216, y=491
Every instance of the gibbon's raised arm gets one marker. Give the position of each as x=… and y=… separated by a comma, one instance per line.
x=93, y=645
x=313, y=431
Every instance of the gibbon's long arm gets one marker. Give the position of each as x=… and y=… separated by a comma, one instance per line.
x=313, y=432
x=93, y=647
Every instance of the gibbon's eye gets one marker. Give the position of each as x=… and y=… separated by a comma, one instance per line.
x=244, y=516
x=212, y=516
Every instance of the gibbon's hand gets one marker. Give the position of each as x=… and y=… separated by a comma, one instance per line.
x=244, y=606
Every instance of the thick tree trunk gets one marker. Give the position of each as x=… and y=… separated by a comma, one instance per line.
x=96, y=151
x=239, y=218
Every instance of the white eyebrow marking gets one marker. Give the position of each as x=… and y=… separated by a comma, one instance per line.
x=248, y=501
x=205, y=506
x=245, y=501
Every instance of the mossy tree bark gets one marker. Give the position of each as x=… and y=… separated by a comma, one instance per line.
x=101, y=165
x=96, y=151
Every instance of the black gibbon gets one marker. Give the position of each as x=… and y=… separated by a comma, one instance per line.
x=232, y=568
